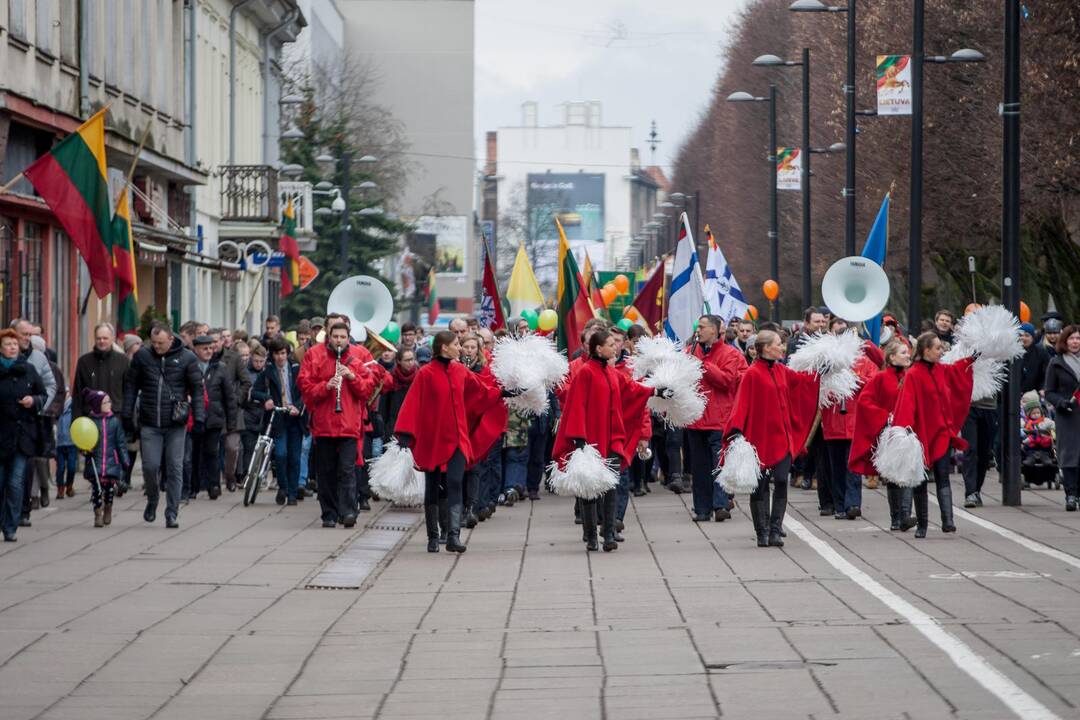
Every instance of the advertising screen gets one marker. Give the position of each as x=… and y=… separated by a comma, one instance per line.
x=577, y=199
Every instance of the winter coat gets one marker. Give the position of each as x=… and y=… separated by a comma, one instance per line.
x=157, y=381
x=56, y=406
x=872, y=410
x=434, y=419
x=1033, y=367
x=268, y=387
x=838, y=420
x=110, y=454
x=390, y=404
x=236, y=369
x=40, y=362
x=1061, y=386
x=102, y=371
x=934, y=401
x=634, y=432
x=722, y=368
x=219, y=398
x=601, y=404
x=774, y=410
x=315, y=372
x=20, y=424
x=487, y=423
x=250, y=405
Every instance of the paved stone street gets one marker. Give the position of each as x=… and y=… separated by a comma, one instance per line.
x=216, y=620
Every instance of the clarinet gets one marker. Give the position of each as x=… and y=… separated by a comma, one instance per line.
x=337, y=371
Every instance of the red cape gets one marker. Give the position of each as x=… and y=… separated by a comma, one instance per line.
x=934, y=401
x=600, y=404
x=722, y=369
x=837, y=425
x=774, y=410
x=875, y=404
x=435, y=412
x=634, y=431
x=487, y=422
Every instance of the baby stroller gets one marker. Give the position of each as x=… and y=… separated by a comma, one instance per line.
x=1038, y=459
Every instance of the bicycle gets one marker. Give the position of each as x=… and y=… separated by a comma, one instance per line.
x=260, y=459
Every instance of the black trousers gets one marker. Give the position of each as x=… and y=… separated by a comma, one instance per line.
x=452, y=479
x=667, y=449
x=705, y=448
x=335, y=458
x=821, y=468
x=979, y=431
x=205, y=469
x=1071, y=481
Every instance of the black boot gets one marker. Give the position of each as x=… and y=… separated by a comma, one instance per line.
x=444, y=519
x=922, y=510
x=759, y=515
x=609, y=500
x=944, y=497
x=588, y=524
x=776, y=518
x=906, y=521
x=431, y=519
x=453, y=543
x=892, y=492
x=471, y=519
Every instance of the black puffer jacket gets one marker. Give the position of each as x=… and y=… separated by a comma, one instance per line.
x=159, y=380
x=252, y=406
x=98, y=370
x=20, y=425
x=222, y=410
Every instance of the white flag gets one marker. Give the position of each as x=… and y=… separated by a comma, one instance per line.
x=722, y=293
x=687, y=295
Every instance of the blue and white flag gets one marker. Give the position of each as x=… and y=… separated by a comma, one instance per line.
x=722, y=293
x=686, y=298
x=876, y=248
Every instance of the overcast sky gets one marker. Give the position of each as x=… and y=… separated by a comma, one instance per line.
x=643, y=61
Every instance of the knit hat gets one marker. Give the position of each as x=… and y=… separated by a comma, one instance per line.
x=1027, y=328
x=38, y=343
x=130, y=341
x=93, y=400
x=1030, y=401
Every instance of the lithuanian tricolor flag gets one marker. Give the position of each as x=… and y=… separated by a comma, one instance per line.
x=573, y=302
x=123, y=255
x=73, y=180
x=592, y=288
x=290, y=271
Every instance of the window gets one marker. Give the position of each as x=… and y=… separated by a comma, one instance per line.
x=112, y=76
x=7, y=247
x=17, y=18
x=69, y=33
x=62, y=296
x=146, y=72
x=43, y=26
x=127, y=68
x=30, y=289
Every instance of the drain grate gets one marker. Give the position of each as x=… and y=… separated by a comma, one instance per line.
x=352, y=567
x=768, y=665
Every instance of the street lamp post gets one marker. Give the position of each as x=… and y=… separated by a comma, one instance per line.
x=341, y=202
x=774, y=218
x=1010, y=235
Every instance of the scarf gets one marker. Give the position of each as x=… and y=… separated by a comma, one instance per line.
x=1072, y=361
x=7, y=363
x=402, y=379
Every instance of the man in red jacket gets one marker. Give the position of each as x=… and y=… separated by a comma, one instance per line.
x=336, y=384
x=722, y=368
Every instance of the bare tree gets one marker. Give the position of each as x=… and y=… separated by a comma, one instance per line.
x=533, y=230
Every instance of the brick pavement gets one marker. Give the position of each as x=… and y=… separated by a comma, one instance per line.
x=684, y=621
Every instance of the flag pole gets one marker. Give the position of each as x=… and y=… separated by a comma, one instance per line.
x=8, y=185
x=135, y=158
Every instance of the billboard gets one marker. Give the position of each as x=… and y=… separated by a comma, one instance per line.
x=451, y=234
x=577, y=199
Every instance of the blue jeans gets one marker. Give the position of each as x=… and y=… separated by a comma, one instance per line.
x=515, y=467
x=305, y=454
x=287, y=450
x=622, y=491
x=11, y=492
x=846, y=485
x=67, y=458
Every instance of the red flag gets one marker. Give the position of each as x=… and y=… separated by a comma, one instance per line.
x=491, y=312
x=649, y=301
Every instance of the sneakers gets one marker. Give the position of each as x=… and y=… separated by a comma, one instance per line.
x=971, y=501
x=511, y=497
x=1070, y=503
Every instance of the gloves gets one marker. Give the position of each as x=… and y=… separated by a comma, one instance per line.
x=513, y=392
x=665, y=393
x=732, y=435
x=578, y=443
x=404, y=440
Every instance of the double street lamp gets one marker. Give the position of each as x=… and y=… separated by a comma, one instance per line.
x=340, y=205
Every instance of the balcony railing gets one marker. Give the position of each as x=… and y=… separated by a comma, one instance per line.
x=300, y=194
x=249, y=193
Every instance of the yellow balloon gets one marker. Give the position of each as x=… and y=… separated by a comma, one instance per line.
x=548, y=319
x=84, y=433
x=290, y=337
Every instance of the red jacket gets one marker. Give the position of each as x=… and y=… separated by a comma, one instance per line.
x=774, y=410
x=600, y=404
x=837, y=425
x=316, y=370
x=434, y=415
x=934, y=400
x=876, y=402
x=722, y=368
x=487, y=423
x=634, y=432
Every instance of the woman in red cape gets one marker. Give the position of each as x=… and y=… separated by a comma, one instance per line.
x=774, y=409
x=486, y=426
x=433, y=422
x=933, y=402
x=876, y=402
x=601, y=404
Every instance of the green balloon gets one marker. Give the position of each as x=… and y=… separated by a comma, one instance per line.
x=532, y=317
x=391, y=332
x=695, y=325
x=625, y=323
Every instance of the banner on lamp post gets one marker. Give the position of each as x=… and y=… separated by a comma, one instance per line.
x=788, y=168
x=893, y=84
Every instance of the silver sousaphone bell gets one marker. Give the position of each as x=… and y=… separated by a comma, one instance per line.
x=365, y=301
x=855, y=289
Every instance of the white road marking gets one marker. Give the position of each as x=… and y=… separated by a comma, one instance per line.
x=1033, y=545
x=967, y=660
x=1005, y=574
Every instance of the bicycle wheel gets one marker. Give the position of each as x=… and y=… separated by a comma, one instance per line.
x=255, y=473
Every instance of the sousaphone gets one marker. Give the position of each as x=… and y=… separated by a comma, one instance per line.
x=855, y=289
x=366, y=302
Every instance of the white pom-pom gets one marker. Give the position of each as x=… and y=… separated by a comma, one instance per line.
x=988, y=374
x=837, y=386
x=740, y=469
x=393, y=476
x=992, y=331
x=650, y=352
x=832, y=357
x=682, y=374
x=898, y=457
x=529, y=363
x=585, y=474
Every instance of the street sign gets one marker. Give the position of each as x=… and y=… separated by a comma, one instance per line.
x=308, y=272
x=277, y=259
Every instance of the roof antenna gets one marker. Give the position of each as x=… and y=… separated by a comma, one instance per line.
x=653, y=141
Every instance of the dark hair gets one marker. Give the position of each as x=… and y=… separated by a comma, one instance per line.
x=191, y=327
x=338, y=326
x=924, y=343
x=501, y=333
x=616, y=330
x=408, y=328
x=240, y=335
x=276, y=345
x=941, y=312
x=401, y=353
x=1062, y=345
x=272, y=318
x=441, y=340
x=810, y=312
x=160, y=327
x=635, y=332
x=770, y=326
x=836, y=320
x=597, y=339
x=715, y=320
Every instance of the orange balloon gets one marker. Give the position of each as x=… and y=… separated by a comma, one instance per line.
x=622, y=284
x=609, y=293
x=972, y=307
x=1025, y=312
x=751, y=313
x=771, y=290
x=631, y=313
